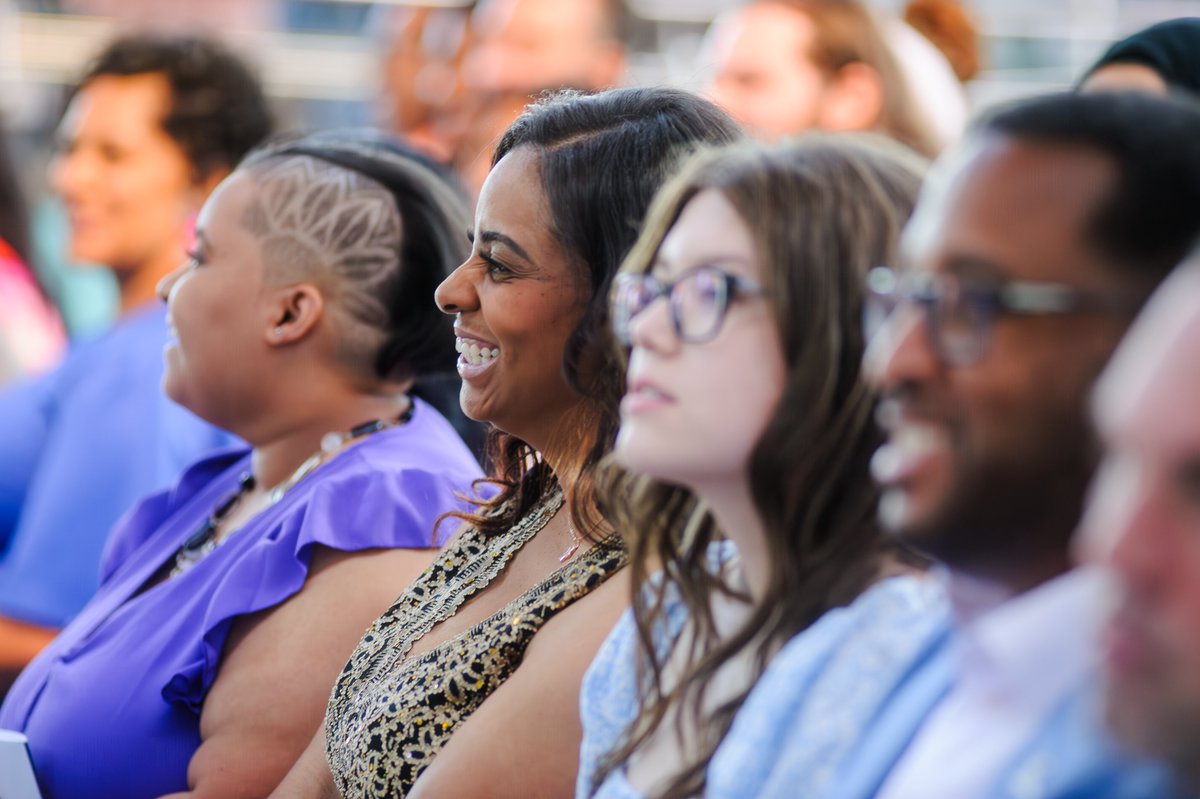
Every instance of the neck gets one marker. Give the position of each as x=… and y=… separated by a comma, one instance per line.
x=733, y=508
x=1016, y=576
x=279, y=453
x=138, y=285
x=560, y=444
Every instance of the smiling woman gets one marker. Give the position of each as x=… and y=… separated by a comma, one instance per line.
x=517, y=301
x=301, y=321
x=468, y=684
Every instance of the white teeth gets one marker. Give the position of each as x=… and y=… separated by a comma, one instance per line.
x=473, y=353
x=906, y=443
x=917, y=437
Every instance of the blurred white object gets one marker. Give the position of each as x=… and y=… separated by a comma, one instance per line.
x=936, y=90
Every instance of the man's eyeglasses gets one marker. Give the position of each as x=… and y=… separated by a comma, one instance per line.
x=960, y=314
x=698, y=301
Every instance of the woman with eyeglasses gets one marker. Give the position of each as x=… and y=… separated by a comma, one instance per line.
x=745, y=442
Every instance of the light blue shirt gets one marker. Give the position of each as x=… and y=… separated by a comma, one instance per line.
x=833, y=656
x=78, y=448
x=835, y=726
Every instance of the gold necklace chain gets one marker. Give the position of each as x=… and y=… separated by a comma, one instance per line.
x=417, y=613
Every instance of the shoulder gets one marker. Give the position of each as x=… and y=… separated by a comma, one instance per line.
x=608, y=699
x=823, y=687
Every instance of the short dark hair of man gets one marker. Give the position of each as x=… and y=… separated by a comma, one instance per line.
x=1151, y=219
x=218, y=110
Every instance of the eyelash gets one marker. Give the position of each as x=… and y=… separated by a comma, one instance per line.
x=497, y=270
x=195, y=258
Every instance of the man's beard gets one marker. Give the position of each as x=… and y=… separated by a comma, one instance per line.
x=1002, y=516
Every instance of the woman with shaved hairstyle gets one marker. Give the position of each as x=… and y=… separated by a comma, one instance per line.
x=301, y=322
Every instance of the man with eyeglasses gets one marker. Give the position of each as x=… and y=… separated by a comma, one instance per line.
x=1025, y=262
x=1030, y=250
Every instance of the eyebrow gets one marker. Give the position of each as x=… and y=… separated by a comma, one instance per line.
x=659, y=264
x=495, y=237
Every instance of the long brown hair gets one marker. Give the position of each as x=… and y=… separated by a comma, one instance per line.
x=601, y=158
x=822, y=211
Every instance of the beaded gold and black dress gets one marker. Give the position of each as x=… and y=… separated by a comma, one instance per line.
x=389, y=715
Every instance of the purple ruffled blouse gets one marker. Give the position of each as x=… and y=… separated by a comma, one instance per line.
x=112, y=706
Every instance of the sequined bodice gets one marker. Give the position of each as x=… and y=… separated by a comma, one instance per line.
x=388, y=716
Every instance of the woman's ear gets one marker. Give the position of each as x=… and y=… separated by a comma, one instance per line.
x=295, y=312
x=853, y=99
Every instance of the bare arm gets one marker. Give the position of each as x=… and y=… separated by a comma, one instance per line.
x=310, y=777
x=279, y=666
x=524, y=740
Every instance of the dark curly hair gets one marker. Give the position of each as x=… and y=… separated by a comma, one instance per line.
x=218, y=110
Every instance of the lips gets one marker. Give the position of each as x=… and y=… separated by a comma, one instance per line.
x=641, y=396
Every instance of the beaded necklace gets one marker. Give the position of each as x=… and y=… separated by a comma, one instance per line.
x=202, y=542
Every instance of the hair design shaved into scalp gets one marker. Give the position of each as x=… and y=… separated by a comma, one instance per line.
x=338, y=228
x=375, y=227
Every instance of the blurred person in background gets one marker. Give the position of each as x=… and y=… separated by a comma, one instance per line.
x=519, y=48
x=31, y=333
x=781, y=67
x=302, y=322
x=1143, y=518
x=422, y=86
x=531, y=45
x=1161, y=59
x=152, y=127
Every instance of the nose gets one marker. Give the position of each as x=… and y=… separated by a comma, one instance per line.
x=68, y=172
x=652, y=328
x=164, y=287
x=456, y=293
x=900, y=352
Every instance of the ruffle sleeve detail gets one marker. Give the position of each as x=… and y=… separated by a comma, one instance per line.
x=138, y=524
x=358, y=508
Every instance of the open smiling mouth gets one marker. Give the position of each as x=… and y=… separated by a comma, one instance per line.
x=475, y=354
